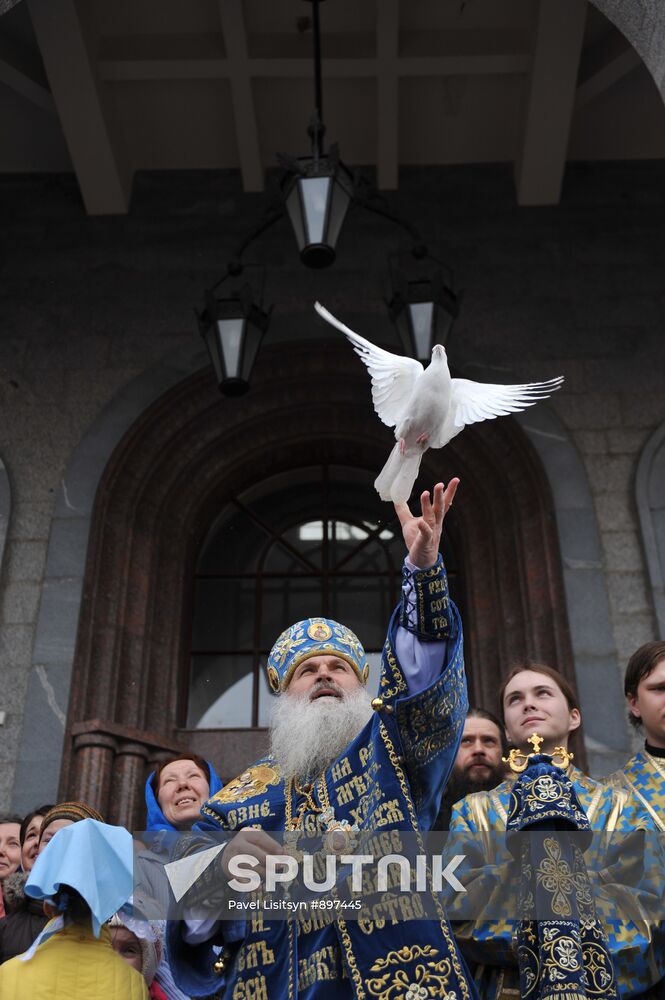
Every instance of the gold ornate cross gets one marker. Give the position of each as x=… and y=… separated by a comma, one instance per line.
x=518, y=761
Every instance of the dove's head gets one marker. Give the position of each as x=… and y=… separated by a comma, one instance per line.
x=438, y=352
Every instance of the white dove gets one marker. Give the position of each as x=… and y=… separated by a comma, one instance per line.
x=427, y=407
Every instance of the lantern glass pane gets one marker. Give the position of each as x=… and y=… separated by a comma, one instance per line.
x=210, y=336
x=253, y=338
x=338, y=206
x=293, y=207
x=422, y=314
x=230, y=333
x=315, y=203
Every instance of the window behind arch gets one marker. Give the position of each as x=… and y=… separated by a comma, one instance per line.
x=315, y=541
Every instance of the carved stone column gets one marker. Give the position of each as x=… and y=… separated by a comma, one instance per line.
x=127, y=804
x=94, y=755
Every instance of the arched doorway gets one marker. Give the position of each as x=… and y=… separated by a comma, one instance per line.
x=173, y=475
x=316, y=540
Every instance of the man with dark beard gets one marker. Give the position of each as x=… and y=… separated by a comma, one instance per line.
x=478, y=766
x=342, y=763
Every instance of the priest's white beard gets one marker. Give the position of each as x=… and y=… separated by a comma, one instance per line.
x=307, y=736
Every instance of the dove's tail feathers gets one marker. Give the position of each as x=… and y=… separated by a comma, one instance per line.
x=396, y=479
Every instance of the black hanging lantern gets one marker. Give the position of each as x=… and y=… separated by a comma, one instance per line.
x=317, y=192
x=423, y=307
x=233, y=328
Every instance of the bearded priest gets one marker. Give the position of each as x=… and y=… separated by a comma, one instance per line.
x=342, y=761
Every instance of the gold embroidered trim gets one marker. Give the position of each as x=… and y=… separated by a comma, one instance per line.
x=429, y=978
x=351, y=959
x=292, y=822
x=445, y=929
x=292, y=962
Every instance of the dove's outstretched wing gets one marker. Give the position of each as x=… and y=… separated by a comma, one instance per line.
x=471, y=402
x=393, y=377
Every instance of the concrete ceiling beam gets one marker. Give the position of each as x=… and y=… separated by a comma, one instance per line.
x=550, y=101
x=24, y=75
x=606, y=76
x=387, y=46
x=244, y=110
x=116, y=69
x=104, y=179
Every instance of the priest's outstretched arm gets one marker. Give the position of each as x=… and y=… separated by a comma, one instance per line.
x=389, y=776
x=423, y=685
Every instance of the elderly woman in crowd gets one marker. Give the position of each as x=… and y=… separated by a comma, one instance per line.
x=25, y=918
x=176, y=790
x=31, y=827
x=174, y=794
x=10, y=852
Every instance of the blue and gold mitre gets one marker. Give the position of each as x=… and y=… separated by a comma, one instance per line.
x=314, y=637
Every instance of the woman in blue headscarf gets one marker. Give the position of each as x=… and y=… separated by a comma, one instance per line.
x=174, y=794
x=176, y=790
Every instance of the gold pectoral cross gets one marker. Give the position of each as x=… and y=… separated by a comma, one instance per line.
x=518, y=761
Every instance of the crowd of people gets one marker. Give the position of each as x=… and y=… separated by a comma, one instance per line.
x=76, y=891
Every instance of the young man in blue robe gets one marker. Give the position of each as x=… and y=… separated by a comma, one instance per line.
x=535, y=698
x=341, y=762
x=644, y=774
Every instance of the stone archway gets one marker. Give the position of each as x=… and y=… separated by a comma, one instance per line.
x=164, y=483
x=643, y=24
